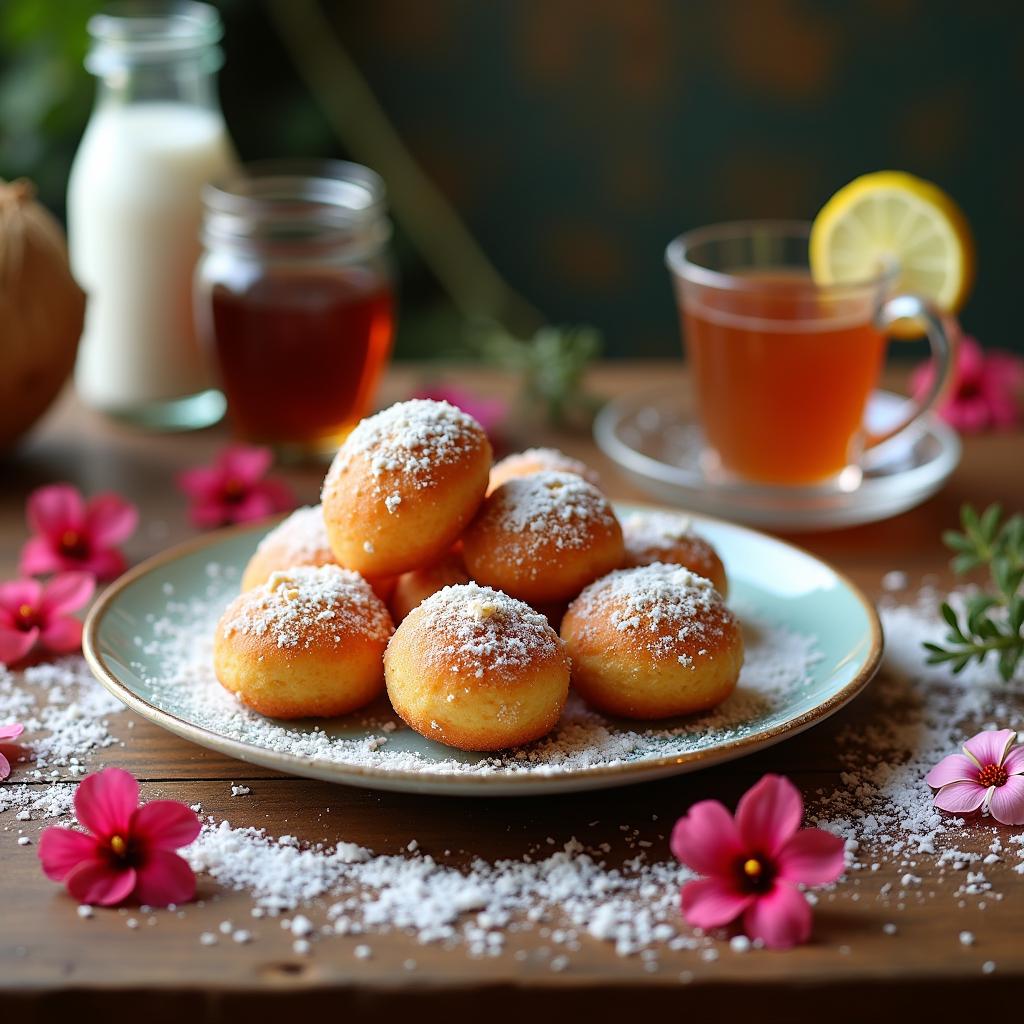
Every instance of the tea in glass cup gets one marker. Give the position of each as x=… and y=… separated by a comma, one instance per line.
x=783, y=367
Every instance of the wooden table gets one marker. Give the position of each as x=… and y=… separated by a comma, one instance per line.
x=51, y=963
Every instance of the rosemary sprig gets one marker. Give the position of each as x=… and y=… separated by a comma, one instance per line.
x=991, y=623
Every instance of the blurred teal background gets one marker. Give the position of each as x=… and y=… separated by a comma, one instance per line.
x=576, y=137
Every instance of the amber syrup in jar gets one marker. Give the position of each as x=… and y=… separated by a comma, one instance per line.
x=295, y=301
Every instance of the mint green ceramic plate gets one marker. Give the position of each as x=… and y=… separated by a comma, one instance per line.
x=813, y=642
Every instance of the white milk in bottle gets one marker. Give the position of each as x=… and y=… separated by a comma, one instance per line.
x=155, y=138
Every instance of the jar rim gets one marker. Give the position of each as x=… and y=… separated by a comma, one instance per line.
x=296, y=204
x=137, y=31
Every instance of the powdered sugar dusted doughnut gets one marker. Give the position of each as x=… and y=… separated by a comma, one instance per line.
x=413, y=588
x=301, y=539
x=308, y=642
x=543, y=537
x=477, y=669
x=669, y=537
x=539, y=460
x=652, y=642
x=404, y=485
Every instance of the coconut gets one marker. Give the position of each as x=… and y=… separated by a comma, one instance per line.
x=42, y=310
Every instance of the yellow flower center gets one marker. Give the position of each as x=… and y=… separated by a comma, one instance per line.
x=26, y=611
x=753, y=868
x=118, y=845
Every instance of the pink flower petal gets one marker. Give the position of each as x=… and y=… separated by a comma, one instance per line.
x=67, y=593
x=202, y=483
x=5, y=767
x=706, y=839
x=12, y=731
x=164, y=878
x=256, y=505
x=106, y=801
x=16, y=643
x=990, y=746
x=62, y=849
x=104, y=563
x=245, y=464
x=52, y=510
x=62, y=635
x=1014, y=761
x=165, y=825
x=1007, y=801
x=100, y=883
x=39, y=557
x=768, y=814
x=954, y=768
x=110, y=519
x=960, y=797
x=780, y=918
x=209, y=514
x=712, y=903
x=15, y=593
x=813, y=857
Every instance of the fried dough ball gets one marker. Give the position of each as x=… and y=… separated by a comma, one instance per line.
x=413, y=588
x=307, y=643
x=668, y=537
x=543, y=537
x=301, y=539
x=403, y=486
x=477, y=669
x=652, y=642
x=539, y=460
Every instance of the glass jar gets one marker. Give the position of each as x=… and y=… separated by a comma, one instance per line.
x=155, y=137
x=294, y=298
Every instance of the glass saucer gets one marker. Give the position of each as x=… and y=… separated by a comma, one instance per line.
x=658, y=443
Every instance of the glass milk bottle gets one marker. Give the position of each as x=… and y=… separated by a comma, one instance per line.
x=156, y=136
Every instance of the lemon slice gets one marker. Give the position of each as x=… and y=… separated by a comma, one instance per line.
x=891, y=218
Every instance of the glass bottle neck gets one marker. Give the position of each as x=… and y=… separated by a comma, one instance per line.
x=191, y=82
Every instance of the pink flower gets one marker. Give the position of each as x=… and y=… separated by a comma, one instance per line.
x=34, y=613
x=8, y=733
x=490, y=413
x=988, y=774
x=754, y=863
x=233, y=489
x=130, y=851
x=72, y=533
x=986, y=392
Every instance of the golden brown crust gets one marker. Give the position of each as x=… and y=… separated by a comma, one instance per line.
x=652, y=643
x=543, y=537
x=413, y=588
x=476, y=670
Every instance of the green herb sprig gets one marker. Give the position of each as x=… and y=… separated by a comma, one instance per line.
x=991, y=622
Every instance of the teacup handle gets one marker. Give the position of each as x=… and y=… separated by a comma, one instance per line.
x=943, y=335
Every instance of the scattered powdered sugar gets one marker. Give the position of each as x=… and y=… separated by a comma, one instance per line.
x=308, y=606
x=479, y=630
x=179, y=677
x=633, y=906
x=534, y=460
x=410, y=441
x=665, y=609
x=64, y=711
x=883, y=806
x=300, y=539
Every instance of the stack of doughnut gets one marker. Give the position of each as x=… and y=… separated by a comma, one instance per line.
x=434, y=576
